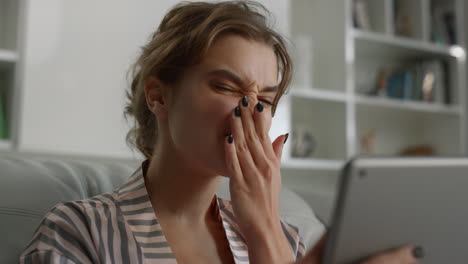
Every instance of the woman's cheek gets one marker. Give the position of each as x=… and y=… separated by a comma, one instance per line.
x=224, y=106
x=268, y=116
x=269, y=123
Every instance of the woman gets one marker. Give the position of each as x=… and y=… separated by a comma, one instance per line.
x=203, y=94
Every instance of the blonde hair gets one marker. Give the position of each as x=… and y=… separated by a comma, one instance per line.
x=182, y=39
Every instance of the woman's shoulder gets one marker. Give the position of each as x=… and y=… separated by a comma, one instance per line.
x=81, y=208
x=66, y=231
x=81, y=213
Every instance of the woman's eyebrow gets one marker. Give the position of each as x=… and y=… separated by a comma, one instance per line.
x=238, y=80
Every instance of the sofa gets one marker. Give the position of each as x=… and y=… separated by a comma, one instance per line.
x=31, y=184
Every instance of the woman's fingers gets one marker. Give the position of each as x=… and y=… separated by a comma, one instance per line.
x=241, y=146
x=278, y=145
x=250, y=125
x=249, y=141
x=232, y=162
x=402, y=255
x=261, y=117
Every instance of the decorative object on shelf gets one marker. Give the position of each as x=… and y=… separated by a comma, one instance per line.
x=368, y=142
x=428, y=86
x=303, y=143
x=303, y=59
x=421, y=150
x=3, y=121
x=434, y=78
x=380, y=84
x=361, y=15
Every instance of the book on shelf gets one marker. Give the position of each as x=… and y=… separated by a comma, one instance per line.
x=361, y=15
x=3, y=121
x=422, y=81
x=443, y=25
x=404, y=23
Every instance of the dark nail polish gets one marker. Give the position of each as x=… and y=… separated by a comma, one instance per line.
x=237, y=111
x=286, y=138
x=230, y=139
x=418, y=252
x=260, y=107
x=245, y=101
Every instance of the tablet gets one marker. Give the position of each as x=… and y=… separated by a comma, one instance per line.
x=385, y=203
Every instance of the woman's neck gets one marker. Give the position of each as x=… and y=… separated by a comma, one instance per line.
x=179, y=189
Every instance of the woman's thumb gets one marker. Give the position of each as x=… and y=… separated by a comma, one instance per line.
x=278, y=145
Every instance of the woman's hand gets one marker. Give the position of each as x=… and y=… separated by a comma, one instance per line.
x=253, y=164
x=403, y=255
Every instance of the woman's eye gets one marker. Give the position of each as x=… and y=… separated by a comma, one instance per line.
x=222, y=88
x=229, y=89
x=266, y=102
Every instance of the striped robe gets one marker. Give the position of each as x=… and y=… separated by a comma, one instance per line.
x=121, y=227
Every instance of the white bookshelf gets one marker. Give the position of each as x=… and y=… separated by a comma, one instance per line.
x=407, y=105
x=8, y=56
x=346, y=61
x=307, y=163
x=320, y=94
x=11, y=15
x=5, y=144
x=402, y=46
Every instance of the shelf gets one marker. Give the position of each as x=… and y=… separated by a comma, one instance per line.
x=375, y=43
x=8, y=56
x=349, y=63
x=309, y=163
x=318, y=94
x=408, y=105
x=5, y=144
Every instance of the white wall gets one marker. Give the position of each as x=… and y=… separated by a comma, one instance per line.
x=76, y=57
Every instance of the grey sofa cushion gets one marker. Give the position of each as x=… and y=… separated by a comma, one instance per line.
x=32, y=184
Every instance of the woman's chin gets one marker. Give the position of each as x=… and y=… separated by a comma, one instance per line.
x=222, y=170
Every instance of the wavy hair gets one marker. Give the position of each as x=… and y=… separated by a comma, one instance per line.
x=182, y=39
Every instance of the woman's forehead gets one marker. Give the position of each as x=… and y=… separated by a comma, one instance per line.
x=251, y=62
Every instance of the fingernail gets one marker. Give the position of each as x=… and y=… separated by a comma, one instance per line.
x=237, y=111
x=260, y=107
x=418, y=252
x=286, y=138
x=245, y=101
x=230, y=139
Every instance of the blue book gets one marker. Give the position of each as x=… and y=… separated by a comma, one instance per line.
x=408, y=85
x=395, y=86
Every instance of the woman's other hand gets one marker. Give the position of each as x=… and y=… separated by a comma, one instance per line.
x=403, y=255
x=253, y=165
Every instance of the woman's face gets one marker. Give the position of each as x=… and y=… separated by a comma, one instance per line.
x=204, y=101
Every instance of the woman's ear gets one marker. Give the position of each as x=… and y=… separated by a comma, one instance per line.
x=156, y=99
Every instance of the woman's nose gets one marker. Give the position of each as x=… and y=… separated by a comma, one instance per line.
x=252, y=98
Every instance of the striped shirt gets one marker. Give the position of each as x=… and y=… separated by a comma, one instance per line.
x=121, y=227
